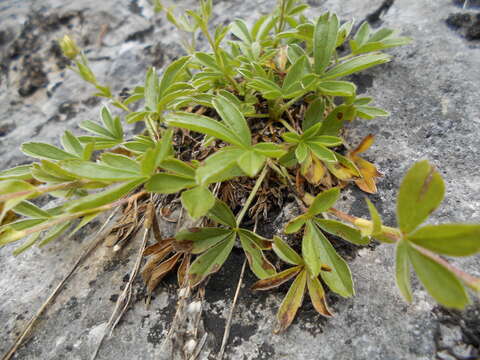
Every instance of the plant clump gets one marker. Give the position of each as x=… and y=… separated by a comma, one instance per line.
x=229, y=133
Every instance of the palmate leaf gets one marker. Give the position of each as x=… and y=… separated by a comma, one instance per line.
x=169, y=183
x=324, y=201
x=317, y=252
x=355, y=64
x=285, y=252
x=198, y=240
x=105, y=197
x=448, y=239
x=343, y=231
x=402, y=271
x=198, y=201
x=204, y=125
x=93, y=171
x=440, y=282
x=257, y=261
x=251, y=162
x=220, y=166
x=421, y=192
x=211, y=261
x=45, y=151
x=233, y=118
x=222, y=214
x=324, y=41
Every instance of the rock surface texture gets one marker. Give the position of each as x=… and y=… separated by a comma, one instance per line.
x=432, y=89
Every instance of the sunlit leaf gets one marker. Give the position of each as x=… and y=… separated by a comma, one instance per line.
x=324, y=41
x=324, y=201
x=440, y=283
x=346, y=232
x=448, y=239
x=317, y=252
x=402, y=271
x=355, y=64
x=45, y=151
x=421, y=192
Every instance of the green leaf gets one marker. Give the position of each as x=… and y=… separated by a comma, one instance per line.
x=326, y=140
x=168, y=183
x=211, y=261
x=54, y=232
x=151, y=92
x=320, y=151
x=26, y=208
x=346, y=232
x=97, y=129
x=234, y=119
x=251, y=162
x=112, y=124
x=32, y=239
x=448, y=239
x=337, y=88
x=370, y=112
x=269, y=89
x=259, y=265
x=270, y=150
x=301, y=152
x=220, y=166
x=355, y=64
x=45, y=151
x=375, y=216
x=440, y=283
x=285, y=252
x=291, y=303
x=198, y=240
x=172, y=73
x=93, y=171
x=71, y=144
x=198, y=201
x=324, y=201
x=23, y=189
x=105, y=197
x=324, y=41
x=318, y=251
x=363, y=34
x=295, y=73
x=21, y=172
x=295, y=224
x=402, y=271
x=222, y=214
x=177, y=166
x=204, y=125
x=421, y=192
x=261, y=242
x=239, y=29
x=314, y=114
x=120, y=162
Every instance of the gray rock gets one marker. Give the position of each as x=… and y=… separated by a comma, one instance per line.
x=432, y=90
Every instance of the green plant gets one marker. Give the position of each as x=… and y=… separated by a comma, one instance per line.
x=261, y=116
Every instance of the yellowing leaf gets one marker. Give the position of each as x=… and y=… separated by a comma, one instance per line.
x=277, y=279
x=291, y=303
x=317, y=295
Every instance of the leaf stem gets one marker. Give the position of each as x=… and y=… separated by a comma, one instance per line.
x=252, y=194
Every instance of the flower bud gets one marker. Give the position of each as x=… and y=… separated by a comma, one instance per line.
x=69, y=48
